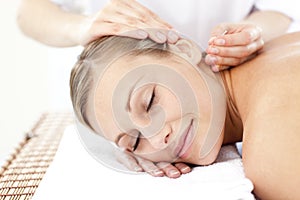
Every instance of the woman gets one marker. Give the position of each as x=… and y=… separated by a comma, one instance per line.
x=257, y=103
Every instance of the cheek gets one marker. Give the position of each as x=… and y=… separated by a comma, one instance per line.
x=170, y=104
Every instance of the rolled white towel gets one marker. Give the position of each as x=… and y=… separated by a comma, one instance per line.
x=75, y=174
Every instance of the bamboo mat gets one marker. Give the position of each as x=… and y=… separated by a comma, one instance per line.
x=26, y=166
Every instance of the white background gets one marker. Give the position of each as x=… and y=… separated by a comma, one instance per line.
x=33, y=79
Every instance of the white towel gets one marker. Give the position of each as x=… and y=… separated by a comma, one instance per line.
x=75, y=174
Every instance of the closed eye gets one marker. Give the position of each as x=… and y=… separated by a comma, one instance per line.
x=136, y=144
x=151, y=100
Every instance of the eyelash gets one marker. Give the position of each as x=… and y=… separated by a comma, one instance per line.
x=136, y=144
x=151, y=100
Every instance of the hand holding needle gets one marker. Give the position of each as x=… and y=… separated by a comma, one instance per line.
x=232, y=45
x=216, y=67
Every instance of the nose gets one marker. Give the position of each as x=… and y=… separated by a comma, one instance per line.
x=161, y=138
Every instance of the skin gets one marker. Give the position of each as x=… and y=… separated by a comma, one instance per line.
x=263, y=111
x=268, y=105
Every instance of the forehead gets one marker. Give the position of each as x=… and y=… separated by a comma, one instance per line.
x=131, y=68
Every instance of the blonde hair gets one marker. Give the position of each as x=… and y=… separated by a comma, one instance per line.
x=97, y=55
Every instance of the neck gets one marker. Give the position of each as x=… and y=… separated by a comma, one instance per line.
x=233, y=124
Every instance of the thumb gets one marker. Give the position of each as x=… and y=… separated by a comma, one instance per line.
x=219, y=30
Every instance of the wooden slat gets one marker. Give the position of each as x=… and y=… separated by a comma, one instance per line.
x=26, y=166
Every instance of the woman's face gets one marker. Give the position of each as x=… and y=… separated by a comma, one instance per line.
x=159, y=108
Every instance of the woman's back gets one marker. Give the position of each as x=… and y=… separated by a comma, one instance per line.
x=267, y=95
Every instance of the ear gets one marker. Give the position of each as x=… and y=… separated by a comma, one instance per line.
x=188, y=50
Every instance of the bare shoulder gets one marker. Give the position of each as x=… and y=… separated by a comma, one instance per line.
x=274, y=75
x=284, y=40
x=271, y=143
x=273, y=78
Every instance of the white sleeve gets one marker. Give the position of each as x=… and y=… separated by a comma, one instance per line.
x=290, y=8
x=86, y=7
x=75, y=6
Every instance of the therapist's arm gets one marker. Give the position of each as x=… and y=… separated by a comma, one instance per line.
x=47, y=23
x=244, y=39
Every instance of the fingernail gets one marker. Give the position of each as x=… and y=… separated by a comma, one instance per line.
x=252, y=47
x=158, y=173
x=255, y=33
x=138, y=169
x=185, y=169
x=211, y=60
x=161, y=36
x=215, y=68
x=259, y=29
x=210, y=41
x=173, y=36
x=142, y=33
x=219, y=42
x=214, y=50
x=174, y=172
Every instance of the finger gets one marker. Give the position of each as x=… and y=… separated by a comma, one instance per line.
x=218, y=68
x=146, y=14
x=128, y=160
x=124, y=26
x=131, y=13
x=136, y=15
x=183, y=168
x=223, y=61
x=173, y=37
x=156, y=34
x=170, y=170
x=240, y=38
x=159, y=36
x=236, y=51
x=217, y=31
x=137, y=11
x=106, y=28
x=162, y=35
x=212, y=60
x=150, y=167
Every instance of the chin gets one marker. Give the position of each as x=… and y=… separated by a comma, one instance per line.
x=210, y=158
x=207, y=160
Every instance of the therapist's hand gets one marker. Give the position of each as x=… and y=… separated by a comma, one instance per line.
x=139, y=164
x=125, y=18
x=233, y=44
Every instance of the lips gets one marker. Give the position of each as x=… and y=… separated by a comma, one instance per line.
x=184, y=142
